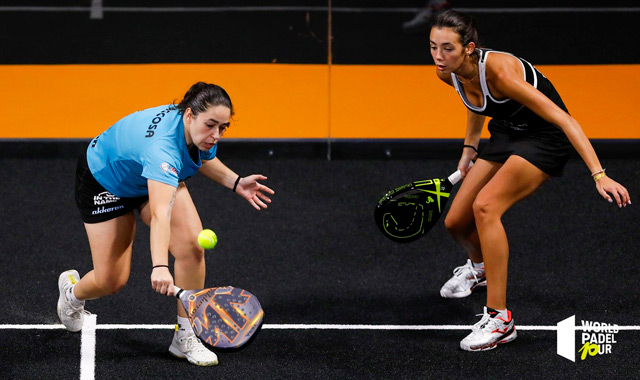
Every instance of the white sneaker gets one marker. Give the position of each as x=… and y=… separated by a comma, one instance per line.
x=191, y=348
x=465, y=279
x=490, y=331
x=71, y=317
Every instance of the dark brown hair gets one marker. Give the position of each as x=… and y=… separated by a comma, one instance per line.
x=202, y=95
x=461, y=23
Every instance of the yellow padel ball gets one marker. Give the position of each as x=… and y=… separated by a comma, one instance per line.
x=207, y=239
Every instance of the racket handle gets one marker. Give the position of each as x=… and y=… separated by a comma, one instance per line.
x=176, y=291
x=457, y=175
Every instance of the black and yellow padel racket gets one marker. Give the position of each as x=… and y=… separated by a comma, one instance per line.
x=406, y=213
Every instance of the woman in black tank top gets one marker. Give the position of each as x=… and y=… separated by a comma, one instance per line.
x=531, y=137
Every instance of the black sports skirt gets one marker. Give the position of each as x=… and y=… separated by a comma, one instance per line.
x=547, y=148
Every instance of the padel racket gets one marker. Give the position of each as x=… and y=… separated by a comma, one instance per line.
x=224, y=317
x=408, y=212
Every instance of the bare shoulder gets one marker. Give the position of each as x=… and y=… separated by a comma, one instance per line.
x=446, y=78
x=505, y=78
x=503, y=66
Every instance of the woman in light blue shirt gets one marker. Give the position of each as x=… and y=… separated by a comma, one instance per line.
x=141, y=163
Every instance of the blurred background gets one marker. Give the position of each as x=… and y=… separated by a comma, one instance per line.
x=307, y=70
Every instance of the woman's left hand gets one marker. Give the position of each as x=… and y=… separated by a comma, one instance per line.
x=253, y=191
x=607, y=186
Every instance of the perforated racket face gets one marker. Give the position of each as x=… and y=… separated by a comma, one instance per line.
x=405, y=214
x=224, y=317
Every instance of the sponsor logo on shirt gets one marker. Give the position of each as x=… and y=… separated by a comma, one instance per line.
x=94, y=142
x=104, y=198
x=155, y=121
x=168, y=169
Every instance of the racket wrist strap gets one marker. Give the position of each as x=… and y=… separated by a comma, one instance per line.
x=235, y=185
x=470, y=146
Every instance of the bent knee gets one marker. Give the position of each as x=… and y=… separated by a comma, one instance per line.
x=188, y=250
x=111, y=284
x=452, y=224
x=196, y=252
x=457, y=223
x=485, y=209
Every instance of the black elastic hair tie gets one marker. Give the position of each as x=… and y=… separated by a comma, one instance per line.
x=235, y=185
x=471, y=146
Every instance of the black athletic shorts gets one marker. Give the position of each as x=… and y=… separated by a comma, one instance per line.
x=548, y=149
x=96, y=204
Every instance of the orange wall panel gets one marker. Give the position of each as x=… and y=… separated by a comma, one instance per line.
x=293, y=101
x=601, y=97
x=411, y=102
x=393, y=102
x=80, y=101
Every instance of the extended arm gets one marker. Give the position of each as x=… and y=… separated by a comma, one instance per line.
x=506, y=80
x=247, y=187
x=161, y=198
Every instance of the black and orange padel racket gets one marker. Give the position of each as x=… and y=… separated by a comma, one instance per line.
x=224, y=317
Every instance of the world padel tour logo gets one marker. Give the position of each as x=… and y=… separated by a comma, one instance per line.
x=596, y=338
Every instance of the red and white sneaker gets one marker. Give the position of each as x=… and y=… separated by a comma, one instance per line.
x=490, y=331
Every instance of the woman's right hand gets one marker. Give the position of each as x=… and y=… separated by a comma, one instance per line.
x=607, y=187
x=162, y=281
x=467, y=159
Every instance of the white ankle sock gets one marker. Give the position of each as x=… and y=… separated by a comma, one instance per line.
x=478, y=265
x=71, y=297
x=502, y=313
x=183, y=327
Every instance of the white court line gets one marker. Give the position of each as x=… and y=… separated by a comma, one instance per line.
x=96, y=9
x=88, y=338
x=88, y=348
x=293, y=327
